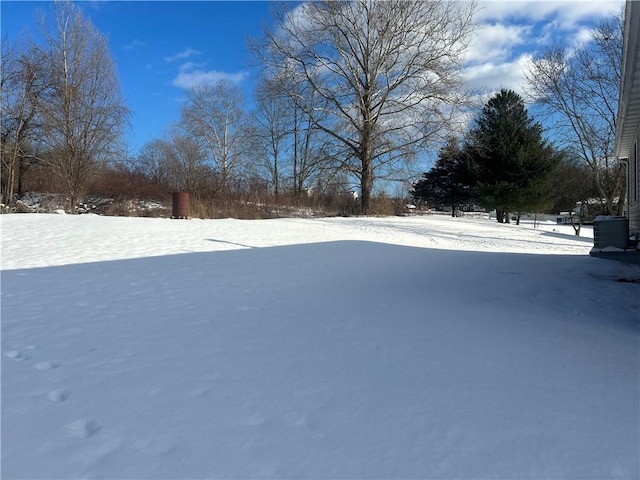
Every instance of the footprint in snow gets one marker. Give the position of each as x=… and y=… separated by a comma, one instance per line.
x=58, y=396
x=46, y=365
x=83, y=428
x=16, y=355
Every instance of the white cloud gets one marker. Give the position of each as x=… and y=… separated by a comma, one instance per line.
x=187, y=66
x=133, y=44
x=494, y=42
x=186, y=53
x=568, y=11
x=189, y=76
x=510, y=33
x=490, y=77
x=582, y=37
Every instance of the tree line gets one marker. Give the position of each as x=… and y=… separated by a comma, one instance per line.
x=349, y=95
x=495, y=167
x=503, y=163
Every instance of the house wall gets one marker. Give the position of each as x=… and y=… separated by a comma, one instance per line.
x=628, y=127
x=633, y=187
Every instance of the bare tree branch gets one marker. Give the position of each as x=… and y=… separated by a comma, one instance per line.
x=580, y=90
x=83, y=113
x=214, y=114
x=385, y=69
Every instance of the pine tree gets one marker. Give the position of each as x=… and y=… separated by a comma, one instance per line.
x=449, y=182
x=514, y=166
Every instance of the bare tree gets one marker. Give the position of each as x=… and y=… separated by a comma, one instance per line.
x=575, y=189
x=21, y=85
x=83, y=112
x=214, y=114
x=389, y=72
x=271, y=127
x=309, y=143
x=580, y=89
x=177, y=162
x=186, y=161
x=152, y=161
x=293, y=147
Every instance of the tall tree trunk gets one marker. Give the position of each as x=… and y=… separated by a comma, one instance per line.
x=22, y=171
x=366, y=180
x=296, y=188
x=11, y=182
x=276, y=174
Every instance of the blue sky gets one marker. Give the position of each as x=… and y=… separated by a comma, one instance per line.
x=162, y=48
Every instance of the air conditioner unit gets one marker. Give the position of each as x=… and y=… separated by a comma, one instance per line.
x=611, y=232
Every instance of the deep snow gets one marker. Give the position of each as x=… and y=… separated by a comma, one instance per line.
x=422, y=347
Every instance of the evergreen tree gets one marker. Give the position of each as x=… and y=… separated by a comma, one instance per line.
x=513, y=165
x=449, y=182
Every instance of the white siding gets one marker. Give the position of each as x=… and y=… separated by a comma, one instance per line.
x=633, y=192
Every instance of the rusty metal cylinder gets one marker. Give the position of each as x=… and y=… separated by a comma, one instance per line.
x=180, y=205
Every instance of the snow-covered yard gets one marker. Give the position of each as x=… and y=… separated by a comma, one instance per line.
x=420, y=347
